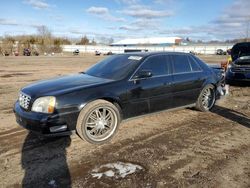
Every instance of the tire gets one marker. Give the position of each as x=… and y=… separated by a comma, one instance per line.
x=98, y=121
x=206, y=99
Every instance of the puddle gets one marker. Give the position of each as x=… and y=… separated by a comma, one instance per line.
x=115, y=170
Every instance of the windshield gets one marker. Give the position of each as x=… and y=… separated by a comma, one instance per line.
x=115, y=67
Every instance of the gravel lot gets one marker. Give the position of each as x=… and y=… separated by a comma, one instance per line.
x=184, y=148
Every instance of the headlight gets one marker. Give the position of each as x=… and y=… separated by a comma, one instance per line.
x=44, y=105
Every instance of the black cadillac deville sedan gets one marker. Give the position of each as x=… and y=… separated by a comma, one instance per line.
x=119, y=87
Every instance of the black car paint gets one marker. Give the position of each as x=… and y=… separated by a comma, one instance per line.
x=133, y=96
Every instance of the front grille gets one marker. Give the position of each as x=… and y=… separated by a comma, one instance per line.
x=241, y=69
x=24, y=100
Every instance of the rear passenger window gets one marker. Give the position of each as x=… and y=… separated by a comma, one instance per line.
x=194, y=64
x=181, y=64
x=156, y=64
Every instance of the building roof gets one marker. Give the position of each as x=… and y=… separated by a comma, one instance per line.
x=150, y=41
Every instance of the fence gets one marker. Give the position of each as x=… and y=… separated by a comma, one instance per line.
x=199, y=49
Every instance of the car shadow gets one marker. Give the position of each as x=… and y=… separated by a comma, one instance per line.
x=44, y=161
x=232, y=115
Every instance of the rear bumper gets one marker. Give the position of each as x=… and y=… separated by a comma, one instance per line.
x=44, y=123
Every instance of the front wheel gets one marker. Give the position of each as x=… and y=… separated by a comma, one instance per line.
x=206, y=98
x=98, y=121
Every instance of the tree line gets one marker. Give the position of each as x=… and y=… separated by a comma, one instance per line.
x=42, y=42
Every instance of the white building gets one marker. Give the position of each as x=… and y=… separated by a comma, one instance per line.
x=155, y=41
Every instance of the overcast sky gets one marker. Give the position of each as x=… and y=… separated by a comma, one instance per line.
x=197, y=19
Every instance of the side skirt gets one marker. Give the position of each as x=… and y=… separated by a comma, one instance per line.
x=158, y=112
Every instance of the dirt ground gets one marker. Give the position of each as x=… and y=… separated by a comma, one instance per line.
x=184, y=148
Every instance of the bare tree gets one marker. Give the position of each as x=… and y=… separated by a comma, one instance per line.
x=111, y=40
x=84, y=41
x=45, y=38
x=44, y=31
x=8, y=45
x=93, y=42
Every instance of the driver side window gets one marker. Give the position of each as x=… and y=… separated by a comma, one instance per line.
x=156, y=64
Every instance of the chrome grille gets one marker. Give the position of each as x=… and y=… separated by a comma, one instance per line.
x=24, y=100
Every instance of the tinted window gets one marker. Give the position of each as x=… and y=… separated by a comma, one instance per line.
x=181, y=64
x=156, y=64
x=194, y=64
x=200, y=62
x=115, y=67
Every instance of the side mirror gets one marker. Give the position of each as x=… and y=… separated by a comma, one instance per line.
x=143, y=74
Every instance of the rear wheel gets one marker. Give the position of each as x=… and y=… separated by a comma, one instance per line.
x=98, y=121
x=206, y=98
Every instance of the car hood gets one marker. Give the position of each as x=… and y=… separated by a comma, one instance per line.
x=240, y=50
x=62, y=84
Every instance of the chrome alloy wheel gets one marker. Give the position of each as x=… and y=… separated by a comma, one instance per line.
x=208, y=98
x=101, y=123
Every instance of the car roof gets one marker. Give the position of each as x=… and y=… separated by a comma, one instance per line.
x=147, y=54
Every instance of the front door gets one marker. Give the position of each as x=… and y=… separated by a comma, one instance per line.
x=152, y=93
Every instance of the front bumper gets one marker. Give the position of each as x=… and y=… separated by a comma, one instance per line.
x=43, y=123
x=238, y=82
x=237, y=77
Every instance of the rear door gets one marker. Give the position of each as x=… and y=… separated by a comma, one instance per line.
x=187, y=80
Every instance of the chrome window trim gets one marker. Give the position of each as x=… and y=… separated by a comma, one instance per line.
x=187, y=72
x=190, y=56
x=171, y=73
x=159, y=76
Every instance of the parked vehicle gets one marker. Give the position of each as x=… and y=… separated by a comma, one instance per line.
x=36, y=53
x=117, y=88
x=109, y=53
x=221, y=52
x=192, y=52
x=239, y=70
x=16, y=53
x=76, y=52
x=97, y=53
x=26, y=52
x=6, y=53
